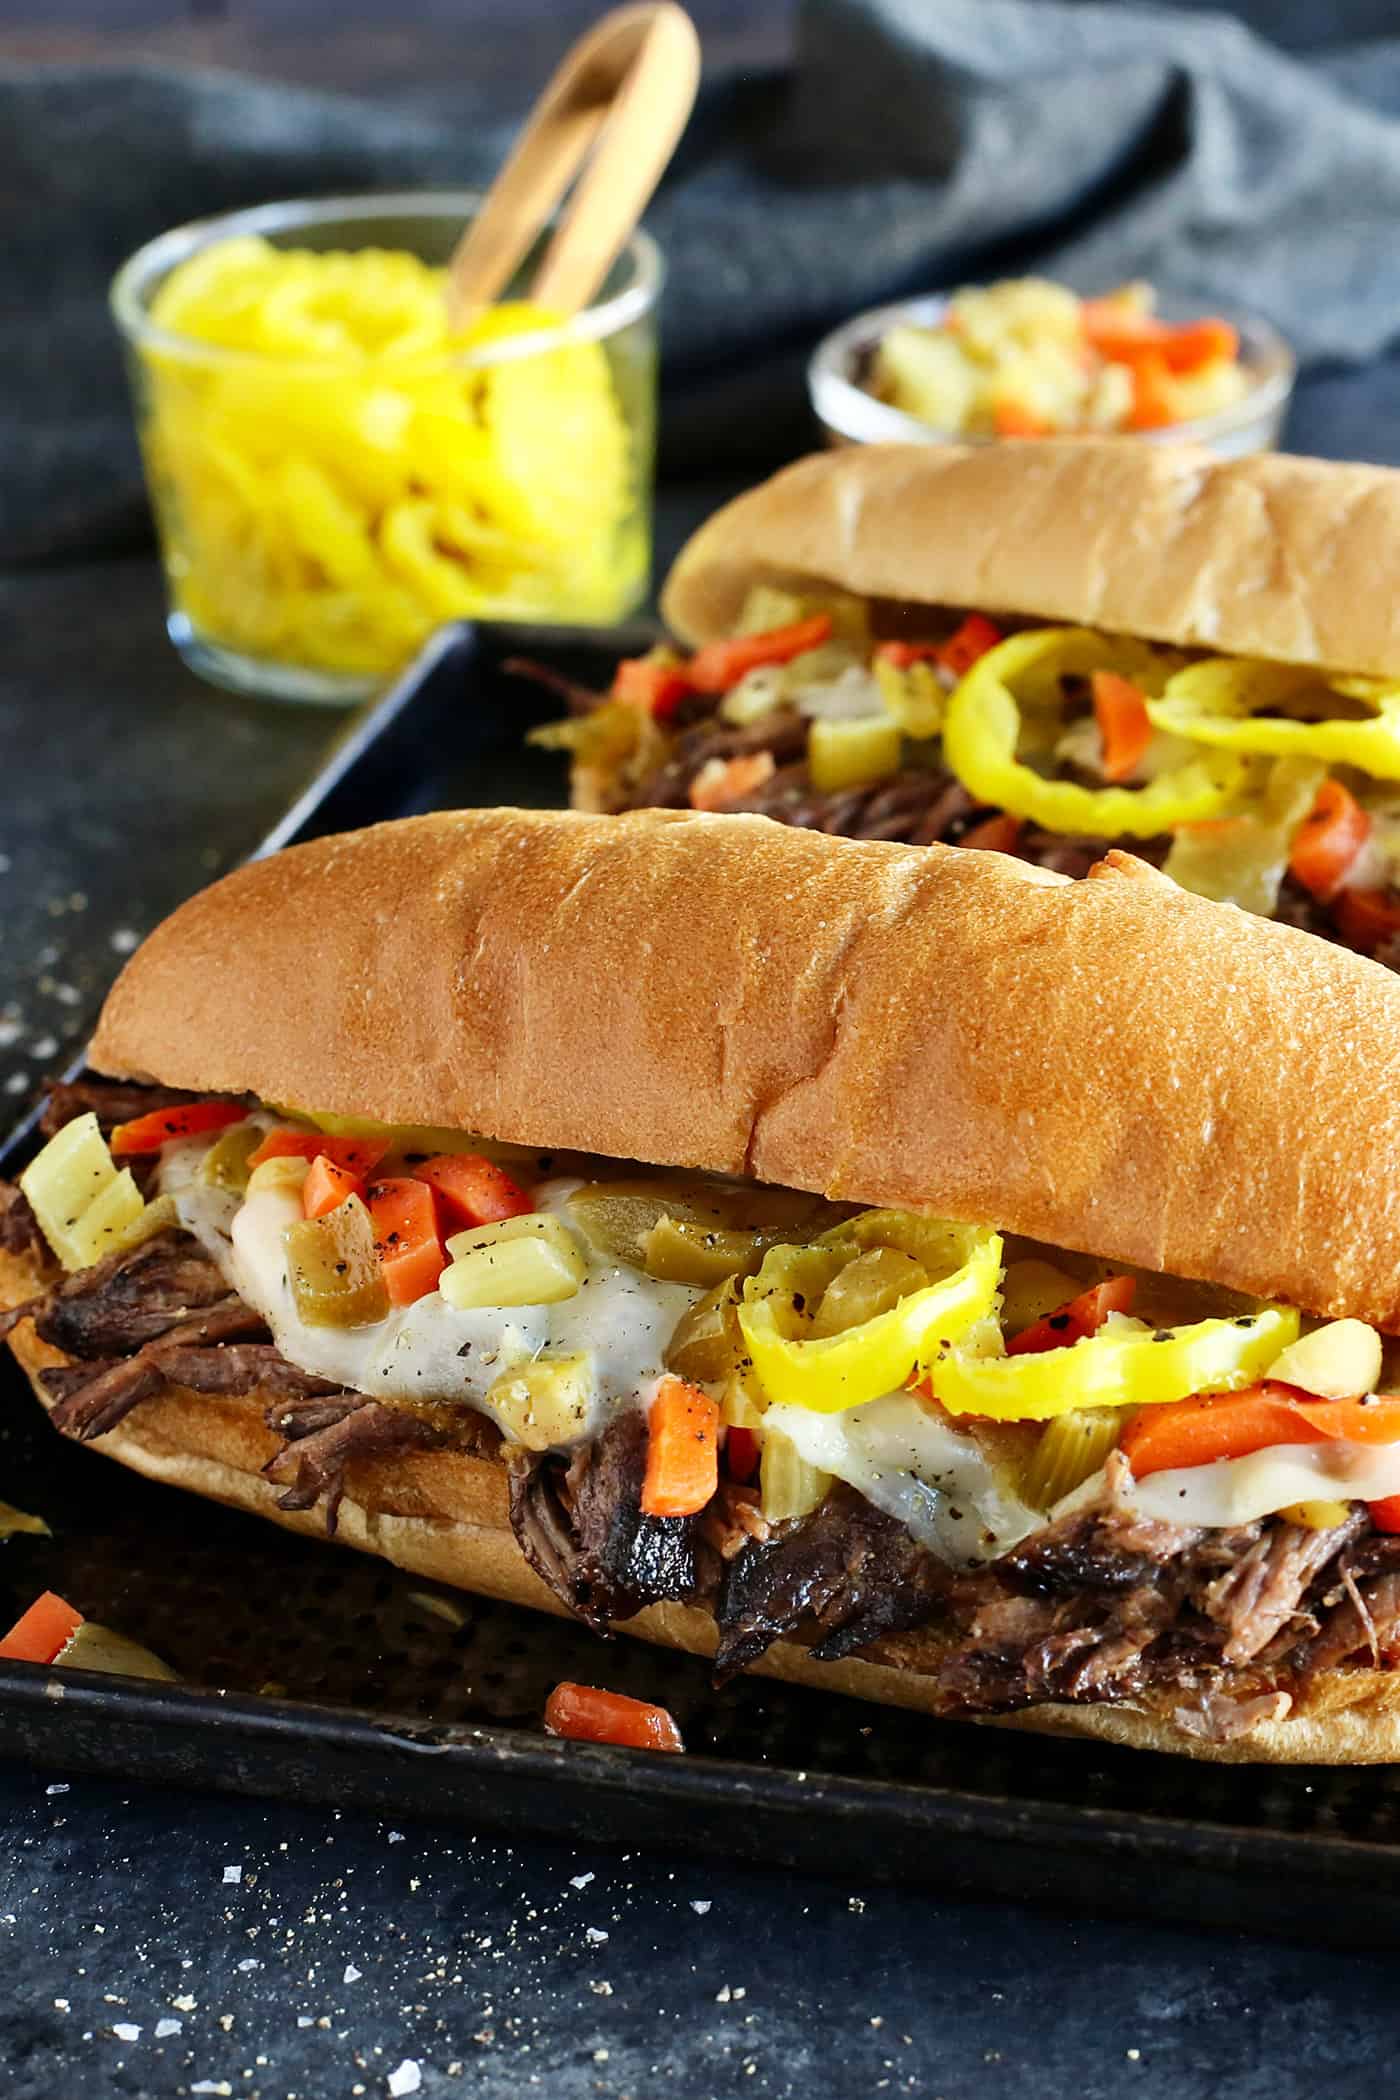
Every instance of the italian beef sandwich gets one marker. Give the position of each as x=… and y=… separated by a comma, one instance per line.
x=1047, y=650
x=899, y=1269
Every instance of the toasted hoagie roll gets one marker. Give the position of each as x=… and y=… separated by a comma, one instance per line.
x=1048, y=650
x=902, y=1270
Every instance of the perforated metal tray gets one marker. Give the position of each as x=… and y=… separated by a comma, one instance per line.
x=313, y=1673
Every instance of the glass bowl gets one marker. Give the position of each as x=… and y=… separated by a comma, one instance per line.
x=850, y=415
x=318, y=517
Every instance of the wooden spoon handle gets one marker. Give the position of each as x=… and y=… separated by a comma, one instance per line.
x=642, y=130
x=543, y=164
x=625, y=89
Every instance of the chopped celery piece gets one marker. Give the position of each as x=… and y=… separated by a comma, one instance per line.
x=159, y=1215
x=788, y=1485
x=106, y=1224
x=225, y=1164
x=532, y=1260
x=1340, y=1361
x=64, y=1180
x=707, y=1345
x=913, y=696
x=684, y=1250
x=1068, y=1450
x=545, y=1402
x=843, y=754
x=334, y=1271
x=871, y=1284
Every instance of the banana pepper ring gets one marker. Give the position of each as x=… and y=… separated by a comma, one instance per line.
x=1214, y=703
x=983, y=722
x=840, y=1371
x=1108, y=1369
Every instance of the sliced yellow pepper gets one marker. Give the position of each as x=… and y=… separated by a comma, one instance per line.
x=983, y=722
x=1214, y=703
x=845, y=1370
x=1110, y=1369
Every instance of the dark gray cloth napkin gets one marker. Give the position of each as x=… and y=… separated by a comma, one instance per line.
x=913, y=144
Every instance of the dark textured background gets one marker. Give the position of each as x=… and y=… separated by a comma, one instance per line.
x=127, y=783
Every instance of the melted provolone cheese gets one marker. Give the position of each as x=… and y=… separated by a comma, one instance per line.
x=1237, y=1490
x=429, y=1350
x=915, y=1467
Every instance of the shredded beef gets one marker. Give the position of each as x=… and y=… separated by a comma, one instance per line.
x=579, y=699
x=667, y=786
x=1363, y=1627
x=849, y=1572
x=19, y=1228
x=1256, y=1597
x=579, y=1522
x=188, y=1354
x=313, y=1463
x=1108, y=1547
x=1103, y=1605
x=1221, y=1716
x=90, y=1399
x=129, y=1299
x=110, y=1100
x=238, y=1368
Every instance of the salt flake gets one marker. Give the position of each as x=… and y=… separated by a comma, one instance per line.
x=406, y=2079
x=352, y=1974
x=232, y=1874
x=126, y=2031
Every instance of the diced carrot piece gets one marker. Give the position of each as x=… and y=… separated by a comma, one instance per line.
x=1367, y=918
x=1014, y=420
x=357, y=1155
x=903, y=654
x=38, y=1634
x=411, y=1254
x=587, y=1714
x=998, y=834
x=1127, y=337
x=473, y=1190
x=1328, y=840
x=327, y=1186
x=1198, y=1431
x=1198, y=343
x=682, y=1450
x=163, y=1125
x=652, y=684
x=1120, y=709
x=1385, y=1514
x=972, y=640
x=1153, y=407
x=720, y=665
x=727, y=780
x=1082, y=1316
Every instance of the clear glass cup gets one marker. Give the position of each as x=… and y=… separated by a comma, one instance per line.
x=317, y=518
x=851, y=415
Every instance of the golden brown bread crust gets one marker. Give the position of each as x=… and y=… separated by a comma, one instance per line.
x=1112, y=1065
x=446, y=1516
x=1268, y=556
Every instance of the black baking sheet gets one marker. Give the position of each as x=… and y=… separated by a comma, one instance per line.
x=315, y=1673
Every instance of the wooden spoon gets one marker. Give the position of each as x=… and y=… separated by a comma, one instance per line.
x=622, y=94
